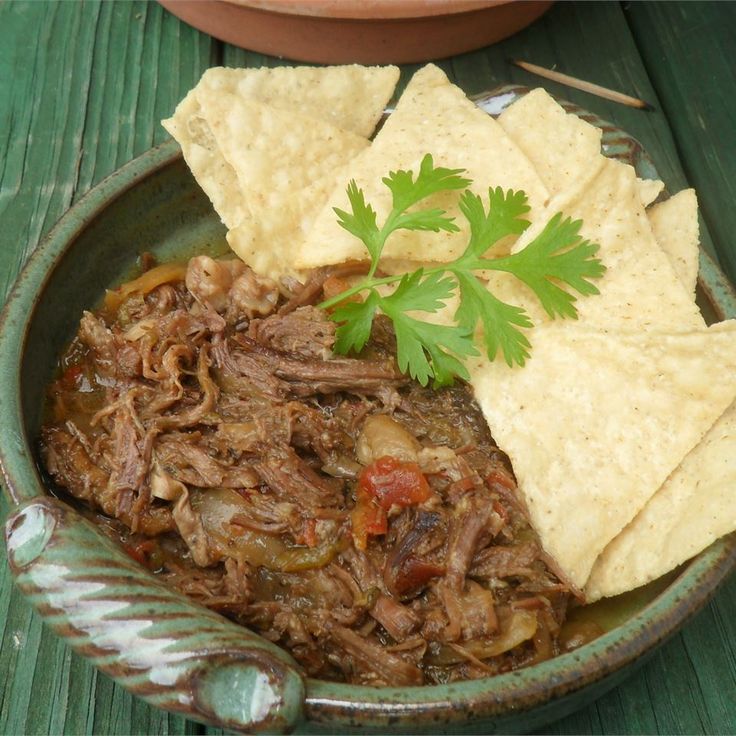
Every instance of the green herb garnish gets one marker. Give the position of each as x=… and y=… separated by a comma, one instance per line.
x=557, y=256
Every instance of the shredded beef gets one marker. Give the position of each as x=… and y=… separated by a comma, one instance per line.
x=228, y=449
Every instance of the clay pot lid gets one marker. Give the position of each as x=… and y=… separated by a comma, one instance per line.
x=359, y=31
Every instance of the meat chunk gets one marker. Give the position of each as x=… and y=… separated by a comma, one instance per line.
x=86, y=479
x=390, y=669
x=230, y=287
x=473, y=523
x=306, y=332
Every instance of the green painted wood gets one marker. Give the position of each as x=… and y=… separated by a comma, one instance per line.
x=82, y=88
x=689, y=52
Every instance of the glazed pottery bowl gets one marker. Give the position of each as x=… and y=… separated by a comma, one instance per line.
x=359, y=31
x=179, y=656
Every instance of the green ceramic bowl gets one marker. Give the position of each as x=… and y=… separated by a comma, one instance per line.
x=179, y=656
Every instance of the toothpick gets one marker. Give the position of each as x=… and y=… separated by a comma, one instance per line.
x=593, y=89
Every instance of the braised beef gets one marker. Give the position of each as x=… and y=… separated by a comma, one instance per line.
x=231, y=452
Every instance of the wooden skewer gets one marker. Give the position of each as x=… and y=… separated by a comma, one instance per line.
x=593, y=89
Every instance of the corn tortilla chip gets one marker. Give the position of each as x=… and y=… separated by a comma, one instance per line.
x=271, y=155
x=267, y=239
x=212, y=172
x=640, y=289
x=350, y=97
x=564, y=149
x=593, y=424
x=649, y=190
x=675, y=226
x=695, y=506
x=432, y=116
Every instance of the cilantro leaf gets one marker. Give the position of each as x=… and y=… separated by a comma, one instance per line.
x=499, y=320
x=417, y=292
x=556, y=258
x=425, y=350
x=406, y=191
x=559, y=253
x=361, y=222
x=502, y=219
x=356, y=319
x=433, y=220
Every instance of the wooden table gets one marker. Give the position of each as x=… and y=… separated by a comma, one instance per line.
x=83, y=87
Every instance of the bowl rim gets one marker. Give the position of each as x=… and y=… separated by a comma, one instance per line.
x=339, y=703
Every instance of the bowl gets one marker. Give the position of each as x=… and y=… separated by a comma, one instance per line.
x=184, y=658
x=359, y=31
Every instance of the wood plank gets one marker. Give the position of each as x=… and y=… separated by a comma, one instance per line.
x=688, y=49
x=86, y=98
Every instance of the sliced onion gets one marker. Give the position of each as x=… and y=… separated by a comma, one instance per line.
x=217, y=508
x=519, y=627
x=146, y=282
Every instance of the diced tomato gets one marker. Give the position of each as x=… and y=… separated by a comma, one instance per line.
x=71, y=376
x=368, y=518
x=382, y=484
x=308, y=534
x=462, y=485
x=413, y=574
x=334, y=285
x=140, y=552
x=501, y=478
x=501, y=511
x=392, y=481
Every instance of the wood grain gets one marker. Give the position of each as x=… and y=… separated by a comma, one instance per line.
x=688, y=49
x=82, y=89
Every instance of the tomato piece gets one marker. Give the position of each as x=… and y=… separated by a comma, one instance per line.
x=382, y=484
x=140, y=552
x=334, y=285
x=368, y=518
x=308, y=534
x=71, y=377
x=393, y=481
x=413, y=575
x=501, y=478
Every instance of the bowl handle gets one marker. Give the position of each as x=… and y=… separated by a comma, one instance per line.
x=171, y=652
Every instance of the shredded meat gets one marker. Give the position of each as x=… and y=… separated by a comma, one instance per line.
x=306, y=332
x=219, y=439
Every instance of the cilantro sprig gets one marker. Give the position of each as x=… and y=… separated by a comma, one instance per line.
x=555, y=258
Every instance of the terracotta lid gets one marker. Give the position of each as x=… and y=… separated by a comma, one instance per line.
x=359, y=31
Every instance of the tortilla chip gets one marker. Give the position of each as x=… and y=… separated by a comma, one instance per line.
x=695, y=506
x=675, y=226
x=212, y=172
x=268, y=239
x=271, y=154
x=649, y=190
x=564, y=149
x=432, y=116
x=349, y=97
x=593, y=424
x=640, y=289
